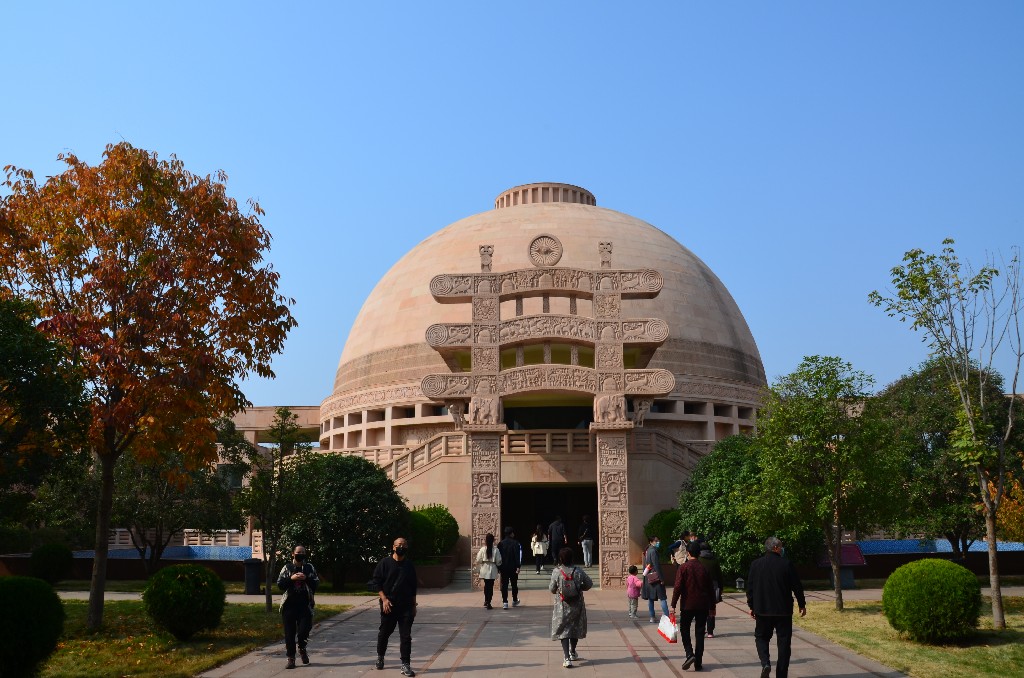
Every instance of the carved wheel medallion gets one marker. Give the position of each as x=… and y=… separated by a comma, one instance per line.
x=545, y=250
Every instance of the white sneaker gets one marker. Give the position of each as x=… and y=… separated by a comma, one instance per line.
x=567, y=664
x=573, y=656
x=515, y=603
x=504, y=606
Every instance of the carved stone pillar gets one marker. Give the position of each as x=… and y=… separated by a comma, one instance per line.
x=612, y=504
x=485, y=485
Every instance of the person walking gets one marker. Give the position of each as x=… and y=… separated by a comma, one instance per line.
x=557, y=538
x=654, y=584
x=709, y=560
x=569, y=614
x=298, y=580
x=511, y=560
x=771, y=586
x=394, y=578
x=488, y=559
x=539, y=547
x=694, y=589
x=633, y=586
x=586, y=539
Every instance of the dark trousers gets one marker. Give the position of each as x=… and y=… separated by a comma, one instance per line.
x=701, y=619
x=783, y=629
x=298, y=621
x=711, y=619
x=401, y=617
x=488, y=591
x=507, y=577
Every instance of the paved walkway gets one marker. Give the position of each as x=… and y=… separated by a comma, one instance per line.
x=455, y=635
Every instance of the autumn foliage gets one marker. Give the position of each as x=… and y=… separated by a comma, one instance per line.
x=154, y=280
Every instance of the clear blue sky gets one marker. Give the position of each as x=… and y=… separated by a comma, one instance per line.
x=799, y=148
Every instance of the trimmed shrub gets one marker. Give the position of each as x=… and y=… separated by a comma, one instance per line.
x=31, y=622
x=52, y=563
x=663, y=525
x=446, y=528
x=932, y=600
x=422, y=536
x=185, y=599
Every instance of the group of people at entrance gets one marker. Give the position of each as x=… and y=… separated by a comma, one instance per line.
x=771, y=586
x=555, y=537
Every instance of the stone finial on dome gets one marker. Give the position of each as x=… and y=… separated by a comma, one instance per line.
x=529, y=194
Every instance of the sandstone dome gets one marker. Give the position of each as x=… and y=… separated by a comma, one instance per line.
x=709, y=349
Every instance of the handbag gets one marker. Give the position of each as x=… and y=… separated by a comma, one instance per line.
x=653, y=578
x=667, y=628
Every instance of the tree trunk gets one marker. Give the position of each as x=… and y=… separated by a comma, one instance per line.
x=998, y=620
x=270, y=579
x=98, y=585
x=833, y=541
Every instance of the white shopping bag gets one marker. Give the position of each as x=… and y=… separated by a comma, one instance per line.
x=667, y=628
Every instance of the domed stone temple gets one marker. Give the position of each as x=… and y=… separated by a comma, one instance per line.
x=547, y=357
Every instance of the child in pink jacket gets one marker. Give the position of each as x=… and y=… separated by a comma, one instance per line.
x=633, y=584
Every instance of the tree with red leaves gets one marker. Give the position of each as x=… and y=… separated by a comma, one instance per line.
x=154, y=281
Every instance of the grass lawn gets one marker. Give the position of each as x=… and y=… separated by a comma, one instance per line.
x=138, y=585
x=131, y=645
x=863, y=628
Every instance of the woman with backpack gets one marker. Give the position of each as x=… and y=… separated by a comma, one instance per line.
x=488, y=559
x=569, y=616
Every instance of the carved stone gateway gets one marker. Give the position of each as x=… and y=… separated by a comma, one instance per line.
x=474, y=396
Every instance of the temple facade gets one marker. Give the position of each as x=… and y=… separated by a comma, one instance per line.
x=547, y=357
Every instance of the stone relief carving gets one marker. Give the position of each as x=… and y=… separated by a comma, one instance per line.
x=485, y=359
x=605, y=250
x=649, y=382
x=562, y=377
x=544, y=326
x=481, y=446
x=606, y=305
x=485, y=489
x=609, y=357
x=613, y=489
x=485, y=308
x=609, y=408
x=614, y=527
x=545, y=250
x=485, y=407
x=644, y=282
x=611, y=451
x=641, y=406
x=437, y=386
x=613, y=568
x=483, y=522
x=485, y=258
x=457, y=408
x=485, y=335
x=418, y=435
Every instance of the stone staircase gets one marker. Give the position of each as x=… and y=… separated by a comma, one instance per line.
x=528, y=579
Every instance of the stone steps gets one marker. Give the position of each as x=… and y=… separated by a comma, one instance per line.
x=529, y=580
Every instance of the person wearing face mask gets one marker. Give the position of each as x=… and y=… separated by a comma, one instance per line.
x=394, y=579
x=654, y=584
x=298, y=580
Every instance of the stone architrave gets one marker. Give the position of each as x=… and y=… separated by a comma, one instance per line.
x=612, y=505
x=485, y=483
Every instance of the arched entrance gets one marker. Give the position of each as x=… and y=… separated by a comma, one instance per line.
x=524, y=506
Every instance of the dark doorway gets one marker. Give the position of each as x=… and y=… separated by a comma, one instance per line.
x=523, y=507
x=526, y=418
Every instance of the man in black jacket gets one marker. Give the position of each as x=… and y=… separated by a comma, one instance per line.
x=771, y=585
x=395, y=582
x=558, y=540
x=298, y=581
x=511, y=560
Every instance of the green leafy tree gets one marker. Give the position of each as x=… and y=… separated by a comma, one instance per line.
x=711, y=504
x=154, y=282
x=942, y=500
x=968, y=318
x=272, y=494
x=65, y=501
x=157, y=501
x=824, y=461
x=42, y=405
x=351, y=513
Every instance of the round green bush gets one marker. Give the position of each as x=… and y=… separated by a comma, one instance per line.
x=185, y=599
x=422, y=535
x=31, y=621
x=446, y=528
x=932, y=600
x=52, y=562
